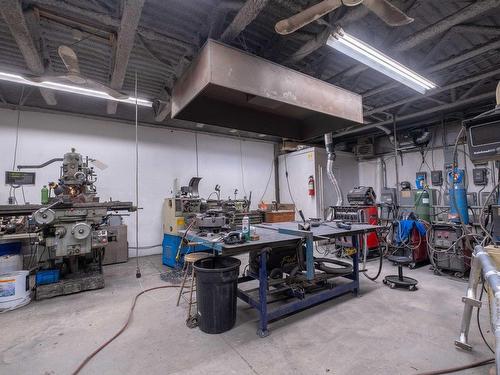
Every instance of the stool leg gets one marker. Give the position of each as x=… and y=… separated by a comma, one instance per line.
x=183, y=283
x=400, y=272
x=191, y=292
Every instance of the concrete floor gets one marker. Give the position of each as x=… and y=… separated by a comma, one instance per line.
x=382, y=332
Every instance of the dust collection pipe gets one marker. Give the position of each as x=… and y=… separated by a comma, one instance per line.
x=329, y=167
x=481, y=260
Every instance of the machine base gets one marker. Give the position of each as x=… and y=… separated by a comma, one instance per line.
x=90, y=281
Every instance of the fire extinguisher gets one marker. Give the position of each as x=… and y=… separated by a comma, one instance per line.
x=310, y=186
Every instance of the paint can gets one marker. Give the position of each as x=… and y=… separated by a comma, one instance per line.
x=14, y=290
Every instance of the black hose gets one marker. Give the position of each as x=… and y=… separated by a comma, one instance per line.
x=381, y=255
x=320, y=265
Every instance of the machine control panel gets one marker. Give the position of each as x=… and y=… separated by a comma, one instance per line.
x=99, y=238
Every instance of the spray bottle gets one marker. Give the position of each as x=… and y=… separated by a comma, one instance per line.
x=245, y=227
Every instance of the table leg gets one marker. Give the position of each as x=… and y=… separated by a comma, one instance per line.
x=310, y=256
x=355, y=264
x=263, y=331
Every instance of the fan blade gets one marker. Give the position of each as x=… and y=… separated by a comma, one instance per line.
x=94, y=85
x=388, y=12
x=351, y=3
x=99, y=164
x=289, y=25
x=69, y=58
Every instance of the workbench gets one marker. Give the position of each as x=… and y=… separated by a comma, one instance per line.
x=279, y=235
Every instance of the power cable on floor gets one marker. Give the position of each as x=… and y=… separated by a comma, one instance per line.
x=460, y=368
x=124, y=327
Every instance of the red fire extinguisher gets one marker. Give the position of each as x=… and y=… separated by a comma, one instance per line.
x=310, y=186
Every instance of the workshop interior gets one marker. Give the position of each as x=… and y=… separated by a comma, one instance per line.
x=250, y=186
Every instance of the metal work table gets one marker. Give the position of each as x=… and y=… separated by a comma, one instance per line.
x=279, y=235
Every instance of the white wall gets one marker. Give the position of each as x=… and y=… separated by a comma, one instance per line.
x=163, y=156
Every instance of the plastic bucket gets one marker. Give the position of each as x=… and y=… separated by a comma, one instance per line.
x=14, y=290
x=216, y=293
x=10, y=263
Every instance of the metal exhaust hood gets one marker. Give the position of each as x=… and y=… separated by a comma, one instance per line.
x=227, y=87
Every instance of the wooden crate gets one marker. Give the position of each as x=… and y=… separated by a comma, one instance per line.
x=279, y=216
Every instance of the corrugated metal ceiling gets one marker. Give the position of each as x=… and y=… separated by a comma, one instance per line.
x=171, y=32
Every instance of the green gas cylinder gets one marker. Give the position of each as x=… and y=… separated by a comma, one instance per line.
x=45, y=195
x=423, y=205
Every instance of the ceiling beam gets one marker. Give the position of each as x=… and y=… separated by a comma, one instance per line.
x=476, y=51
x=14, y=18
x=131, y=15
x=111, y=23
x=431, y=93
x=435, y=29
x=248, y=12
x=429, y=111
x=464, y=14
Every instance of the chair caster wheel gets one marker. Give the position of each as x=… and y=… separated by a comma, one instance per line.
x=384, y=281
x=411, y=266
x=413, y=288
x=392, y=286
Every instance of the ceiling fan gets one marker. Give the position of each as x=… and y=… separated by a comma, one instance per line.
x=382, y=8
x=74, y=77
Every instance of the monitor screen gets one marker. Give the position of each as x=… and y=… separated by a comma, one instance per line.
x=485, y=134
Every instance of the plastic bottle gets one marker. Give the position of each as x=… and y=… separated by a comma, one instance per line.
x=245, y=227
x=45, y=195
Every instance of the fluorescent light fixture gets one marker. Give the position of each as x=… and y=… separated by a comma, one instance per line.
x=358, y=50
x=72, y=89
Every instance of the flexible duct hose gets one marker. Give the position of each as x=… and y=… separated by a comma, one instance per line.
x=329, y=167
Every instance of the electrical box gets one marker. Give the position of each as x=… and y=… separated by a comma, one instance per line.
x=421, y=175
x=437, y=178
x=480, y=176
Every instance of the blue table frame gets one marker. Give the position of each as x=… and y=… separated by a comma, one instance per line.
x=276, y=235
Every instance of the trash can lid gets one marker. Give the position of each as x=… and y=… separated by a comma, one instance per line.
x=216, y=264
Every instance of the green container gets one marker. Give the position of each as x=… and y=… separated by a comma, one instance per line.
x=45, y=195
x=423, y=205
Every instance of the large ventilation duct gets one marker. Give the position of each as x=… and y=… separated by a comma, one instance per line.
x=329, y=168
x=229, y=88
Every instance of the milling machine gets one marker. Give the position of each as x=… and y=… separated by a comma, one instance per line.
x=68, y=233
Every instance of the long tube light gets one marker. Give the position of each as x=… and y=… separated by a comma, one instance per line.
x=359, y=50
x=72, y=89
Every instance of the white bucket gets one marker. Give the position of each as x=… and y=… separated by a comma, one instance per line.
x=10, y=263
x=14, y=290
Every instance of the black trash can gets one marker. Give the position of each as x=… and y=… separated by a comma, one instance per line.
x=216, y=293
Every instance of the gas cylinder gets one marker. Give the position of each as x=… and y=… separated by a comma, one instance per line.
x=459, y=212
x=310, y=186
x=422, y=205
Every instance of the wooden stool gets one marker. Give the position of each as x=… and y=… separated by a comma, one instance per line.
x=189, y=260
